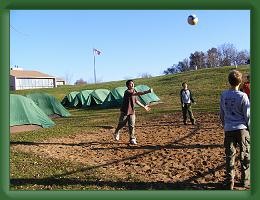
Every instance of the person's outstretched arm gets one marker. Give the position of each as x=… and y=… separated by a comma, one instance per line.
x=147, y=108
x=143, y=92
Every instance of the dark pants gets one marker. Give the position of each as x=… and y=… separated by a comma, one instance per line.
x=232, y=139
x=186, y=109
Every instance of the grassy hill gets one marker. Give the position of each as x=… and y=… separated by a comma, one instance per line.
x=206, y=85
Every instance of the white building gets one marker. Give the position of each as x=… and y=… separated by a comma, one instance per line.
x=22, y=79
x=60, y=81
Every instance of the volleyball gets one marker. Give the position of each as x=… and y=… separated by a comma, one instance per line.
x=193, y=19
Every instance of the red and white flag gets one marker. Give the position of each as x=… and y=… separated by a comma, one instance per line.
x=96, y=52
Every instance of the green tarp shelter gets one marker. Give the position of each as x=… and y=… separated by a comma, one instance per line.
x=68, y=100
x=49, y=104
x=114, y=98
x=97, y=97
x=81, y=98
x=23, y=111
x=147, y=98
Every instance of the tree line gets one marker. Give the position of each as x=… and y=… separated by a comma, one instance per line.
x=225, y=55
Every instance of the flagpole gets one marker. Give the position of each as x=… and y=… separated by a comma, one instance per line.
x=95, y=51
x=94, y=67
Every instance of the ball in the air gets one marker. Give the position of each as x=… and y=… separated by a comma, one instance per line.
x=193, y=19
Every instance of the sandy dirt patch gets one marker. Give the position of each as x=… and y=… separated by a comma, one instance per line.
x=23, y=128
x=191, y=156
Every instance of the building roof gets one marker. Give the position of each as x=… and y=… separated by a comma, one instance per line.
x=59, y=79
x=29, y=74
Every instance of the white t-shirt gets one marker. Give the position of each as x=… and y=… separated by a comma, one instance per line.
x=234, y=110
x=185, y=95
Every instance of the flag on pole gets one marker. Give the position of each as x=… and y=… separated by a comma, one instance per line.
x=96, y=52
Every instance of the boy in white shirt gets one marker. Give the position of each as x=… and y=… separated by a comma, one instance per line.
x=186, y=100
x=235, y=117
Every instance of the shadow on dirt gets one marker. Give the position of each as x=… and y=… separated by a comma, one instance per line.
x=119, y=185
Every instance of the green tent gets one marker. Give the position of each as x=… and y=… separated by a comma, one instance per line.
x=147, y=98
x=114, y=98
x=49, y=104
x=24, y=111
x=68, y=100
x=97, y=97
x=81, y=98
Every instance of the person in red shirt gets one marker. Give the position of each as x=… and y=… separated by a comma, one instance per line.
x=128, y=112
x=246, y=86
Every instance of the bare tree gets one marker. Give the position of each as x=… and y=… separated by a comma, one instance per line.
x=242, y=57
x=172, y=70
x=197, y=60
x=213, y=58
x=228, y=54
x=80, y=82
x=146, y=75
x=184, y=65
x=68, y=78
x=225, y=55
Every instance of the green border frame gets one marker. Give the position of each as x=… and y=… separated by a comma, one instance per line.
x=7, y=5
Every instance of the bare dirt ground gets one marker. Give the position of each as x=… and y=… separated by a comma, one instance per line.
x=22, y=128
x=169, y=155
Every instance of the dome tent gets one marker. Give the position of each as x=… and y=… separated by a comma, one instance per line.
x=114, y=98
x=97, y=97
x=146, y=98
x=49, y=104
x=81, y=98
x=68, y=100
x=23, y=111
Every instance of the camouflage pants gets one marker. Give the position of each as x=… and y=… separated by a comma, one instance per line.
x=232, y=139
x=123, y=119
x=186, y=109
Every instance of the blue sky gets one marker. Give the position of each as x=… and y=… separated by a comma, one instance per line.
x=133, y=42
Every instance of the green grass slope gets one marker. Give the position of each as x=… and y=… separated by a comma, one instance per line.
x=206, y=85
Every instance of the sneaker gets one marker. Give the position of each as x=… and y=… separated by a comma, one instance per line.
x=116, y=136
x=133, y=141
